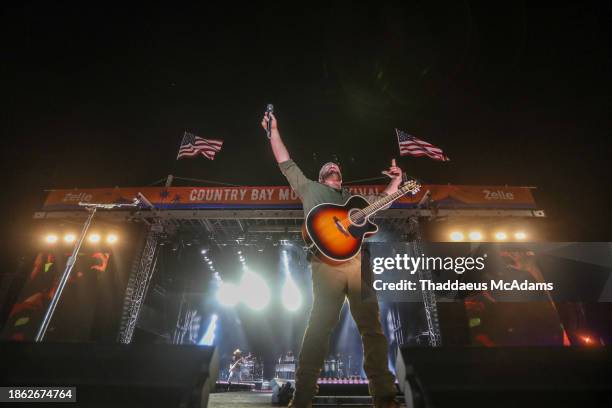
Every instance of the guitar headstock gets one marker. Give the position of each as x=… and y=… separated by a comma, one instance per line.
x=411, y=186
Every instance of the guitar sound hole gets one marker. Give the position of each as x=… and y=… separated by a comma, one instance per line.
x=355, y=218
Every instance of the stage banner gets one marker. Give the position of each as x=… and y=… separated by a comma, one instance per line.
x=283, y=197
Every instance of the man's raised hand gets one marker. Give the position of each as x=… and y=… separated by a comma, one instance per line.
x=266, y=119
x=394, y=172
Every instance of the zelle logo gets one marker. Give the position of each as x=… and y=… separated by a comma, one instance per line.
x=497, y=195
x=83, y=197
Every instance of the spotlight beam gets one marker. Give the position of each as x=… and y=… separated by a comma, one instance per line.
x=254, y=291
x=291, y=296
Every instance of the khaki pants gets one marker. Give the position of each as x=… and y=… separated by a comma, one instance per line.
x=331, y=284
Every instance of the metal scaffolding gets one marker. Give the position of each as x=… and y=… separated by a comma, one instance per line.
x=138, y=283
x=429, y=298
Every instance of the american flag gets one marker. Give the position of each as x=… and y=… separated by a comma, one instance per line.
x=412, y=146
x=193, y=145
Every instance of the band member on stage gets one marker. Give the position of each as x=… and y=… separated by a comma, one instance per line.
x=235, y=372
x=332, y=284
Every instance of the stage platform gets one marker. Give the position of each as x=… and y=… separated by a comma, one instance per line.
x=329, y=397
x=249, y=399
x=224, y=386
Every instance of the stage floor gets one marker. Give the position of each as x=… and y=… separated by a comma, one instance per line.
x=239, y=399
x=250, y=399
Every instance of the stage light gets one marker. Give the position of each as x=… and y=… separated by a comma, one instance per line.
x=51, y=239
x=520, y=235
x=475, y=236
x=112, y=238
x=204, y=251
x=94, y=238
x=290, y=295
x=456, y=236
x=285, y=257
x=209, y=336
x=253, y=291
x=501, y=236
x=228, y=294
x=69, y=238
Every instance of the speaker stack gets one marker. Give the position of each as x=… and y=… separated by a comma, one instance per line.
x=114, y=375
x=505, y=377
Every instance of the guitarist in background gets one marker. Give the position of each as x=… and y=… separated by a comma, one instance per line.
x=332, y=284
x=235, y=371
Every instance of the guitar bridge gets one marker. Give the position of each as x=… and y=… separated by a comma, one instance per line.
x=340, y=227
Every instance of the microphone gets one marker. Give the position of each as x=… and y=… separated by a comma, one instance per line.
x=269, y=110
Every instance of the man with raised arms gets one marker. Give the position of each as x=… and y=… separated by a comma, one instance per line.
x=332, y=284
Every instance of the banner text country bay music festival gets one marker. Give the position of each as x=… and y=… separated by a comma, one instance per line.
x=445, y=196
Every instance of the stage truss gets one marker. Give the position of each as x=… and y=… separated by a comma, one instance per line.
x=138, y=284
x=253, y=226
x=259, y=227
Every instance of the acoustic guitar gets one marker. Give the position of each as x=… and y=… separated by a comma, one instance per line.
x=334, y=232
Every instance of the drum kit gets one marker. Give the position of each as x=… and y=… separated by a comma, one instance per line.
x=285, y=369
x=334, y=368
x=252, y=368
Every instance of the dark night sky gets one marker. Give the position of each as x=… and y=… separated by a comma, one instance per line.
x=97, y=96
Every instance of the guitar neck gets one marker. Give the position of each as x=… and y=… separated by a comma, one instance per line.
x=235, y=364
x=384, y=201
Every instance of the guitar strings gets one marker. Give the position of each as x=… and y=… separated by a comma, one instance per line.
x=372, y=208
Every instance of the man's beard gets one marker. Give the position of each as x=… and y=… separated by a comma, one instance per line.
x=330, y=175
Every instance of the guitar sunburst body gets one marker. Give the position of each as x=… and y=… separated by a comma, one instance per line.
x=329, y=231
x=334, y=232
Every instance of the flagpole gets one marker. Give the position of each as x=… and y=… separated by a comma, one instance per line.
x=180, y=144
